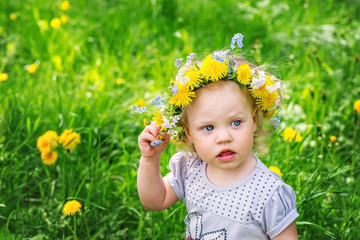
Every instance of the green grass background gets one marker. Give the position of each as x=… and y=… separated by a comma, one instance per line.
x=314, y=46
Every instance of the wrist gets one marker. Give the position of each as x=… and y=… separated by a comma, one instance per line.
x=151, y=160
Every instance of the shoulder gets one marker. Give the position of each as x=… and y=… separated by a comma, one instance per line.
x=279, y=201
x=265, y=180
x=260, y=166
x=183, y=160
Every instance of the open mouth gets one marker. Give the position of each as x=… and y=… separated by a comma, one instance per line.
x=226, y=156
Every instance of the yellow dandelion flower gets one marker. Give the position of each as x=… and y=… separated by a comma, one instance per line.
x=269, y=114
x=55, y=23
x=146, y=122
x=291, y=134
x=13, y=16
x=244, y=73
x=48, y=141
x=119, y=81
x=194, y=78
x=357, y=106
x=141, y=102
x=158, y=118
x=69, y=139
x=49, y=158
x=71, y=207
x=276, y=170
x=65, y=5
x=11, y=48
x=262, y=91
x=333, y=139
x=43, y=25
x=183, y=97
x=64, y=19
x=213, y=69
x=3, y=77
x=268, y=101
x=32, y=68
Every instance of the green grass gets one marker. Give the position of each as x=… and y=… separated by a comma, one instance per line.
x=313, y=46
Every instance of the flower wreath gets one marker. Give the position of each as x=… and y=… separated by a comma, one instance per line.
x=264, y=89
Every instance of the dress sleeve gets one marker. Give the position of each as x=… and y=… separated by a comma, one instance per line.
x=177, y=176
x=280, y=211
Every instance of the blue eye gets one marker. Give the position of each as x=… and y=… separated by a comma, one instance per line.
x=235, y=123
x=209, y=128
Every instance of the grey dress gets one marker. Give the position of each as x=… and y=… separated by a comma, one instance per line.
x=260, y=206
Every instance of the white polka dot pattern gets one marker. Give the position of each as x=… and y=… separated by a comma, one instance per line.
x=243, y=203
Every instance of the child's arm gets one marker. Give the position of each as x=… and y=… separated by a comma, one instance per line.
x=155, y=193
x=289, y=233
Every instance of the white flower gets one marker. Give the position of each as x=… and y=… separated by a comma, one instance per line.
x=173, y=134
x=274, y=87
x=259, y=81
x=183, y=80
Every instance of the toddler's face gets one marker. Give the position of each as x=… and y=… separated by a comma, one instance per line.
x=221, y=125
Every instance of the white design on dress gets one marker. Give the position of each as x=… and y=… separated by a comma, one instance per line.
x=194, y=229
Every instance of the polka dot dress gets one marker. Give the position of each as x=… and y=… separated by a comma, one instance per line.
x=258, y=207
x=243, y=202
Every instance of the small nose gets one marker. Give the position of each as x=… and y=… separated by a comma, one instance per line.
x=223, y=136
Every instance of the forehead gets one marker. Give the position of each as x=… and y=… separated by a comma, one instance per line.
x=220, y=89
x=224, y=95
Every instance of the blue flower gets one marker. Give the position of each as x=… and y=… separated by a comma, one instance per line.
x=237, y=38
x=174, y=89
x=178, y=62
x=275, y=121
x=158, y=101
x=139, y=110
x=220, y=56
x=190, y=57
x=156, y=143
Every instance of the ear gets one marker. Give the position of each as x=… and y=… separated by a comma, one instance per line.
x=255, y=118
x=188, y=135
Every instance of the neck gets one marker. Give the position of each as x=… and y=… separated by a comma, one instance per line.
x=227, y=177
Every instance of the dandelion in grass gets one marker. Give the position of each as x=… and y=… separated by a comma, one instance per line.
x=183, y=96
x=69, y=139
x=71, y=207
x=31, y=68
x=141, y=102
x=333, y=139
x=47, y=142
x=65, y=5
x=119, y=81
x=43, y=25
x=13, y=16
x=49, y=158
x=276, y=170
x=244, y=73
x=213, y=69
x=291, y=134
x=55, y=23
x=357, y=106
x=3, y=77
x=64, y=19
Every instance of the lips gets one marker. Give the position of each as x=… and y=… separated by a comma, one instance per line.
x=226, y=155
